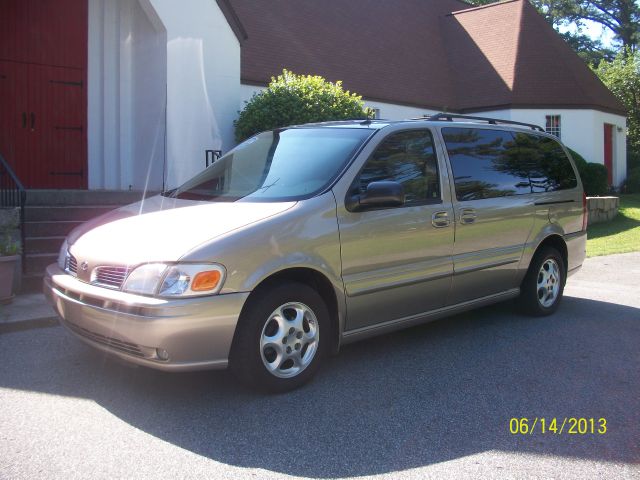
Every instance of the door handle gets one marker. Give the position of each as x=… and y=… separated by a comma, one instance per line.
x=467, y=215
x=440, y=219
x=24, y=119
x=33, y=121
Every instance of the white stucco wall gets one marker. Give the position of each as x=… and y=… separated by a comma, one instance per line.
x=164, y=83
x=203, y=84
x=581, y=130
x=126, y=96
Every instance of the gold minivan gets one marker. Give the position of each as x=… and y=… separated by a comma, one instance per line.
x=305, y=238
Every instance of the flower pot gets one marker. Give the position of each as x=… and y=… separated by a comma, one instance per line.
x=7, y=268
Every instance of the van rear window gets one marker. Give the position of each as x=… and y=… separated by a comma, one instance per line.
x=497, y=163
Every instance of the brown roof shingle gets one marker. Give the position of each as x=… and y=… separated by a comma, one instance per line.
x=437, y=54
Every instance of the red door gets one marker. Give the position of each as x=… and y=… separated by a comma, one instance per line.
x=57, y=128
x=608, y=151
x=14, y=135
x=43, y=57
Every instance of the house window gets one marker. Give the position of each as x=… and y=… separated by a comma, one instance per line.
x=553, y=125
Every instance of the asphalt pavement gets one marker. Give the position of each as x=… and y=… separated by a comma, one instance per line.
x=434, y=401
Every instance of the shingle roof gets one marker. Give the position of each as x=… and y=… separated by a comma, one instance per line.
x=437, y=54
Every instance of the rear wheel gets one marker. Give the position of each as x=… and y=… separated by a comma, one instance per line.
x=281, y=338
x=543, y=286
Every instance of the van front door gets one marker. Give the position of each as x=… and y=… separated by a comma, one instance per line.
x=396, y=262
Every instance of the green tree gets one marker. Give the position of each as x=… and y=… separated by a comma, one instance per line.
x=292, y=99
x=622, y=17
x=590, y=50
x=622, y=77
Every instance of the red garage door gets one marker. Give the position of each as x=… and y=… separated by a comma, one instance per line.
x=43, y=95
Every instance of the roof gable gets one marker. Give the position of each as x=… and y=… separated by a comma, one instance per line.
x=437, y=54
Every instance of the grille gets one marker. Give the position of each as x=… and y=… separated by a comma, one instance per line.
x=116, y=344
x=72, y=265
x=111, y=277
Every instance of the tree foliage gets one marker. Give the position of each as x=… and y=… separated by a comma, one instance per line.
x=622, y=77
x=591, y=51
x=292, y=99
x=622, y=17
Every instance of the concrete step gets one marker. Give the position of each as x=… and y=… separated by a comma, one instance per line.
x=84, y=197
x=65, y=213
x=43, y=244
x=42, y=229
x=32, y=282
x=38, y=262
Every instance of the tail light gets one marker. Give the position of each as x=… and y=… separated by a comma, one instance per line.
x=585, y=212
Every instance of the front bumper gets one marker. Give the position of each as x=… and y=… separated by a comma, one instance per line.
x=196, y=332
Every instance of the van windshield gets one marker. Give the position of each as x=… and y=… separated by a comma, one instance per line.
x=281, y=165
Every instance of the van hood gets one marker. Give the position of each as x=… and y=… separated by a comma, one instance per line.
x=161, y=229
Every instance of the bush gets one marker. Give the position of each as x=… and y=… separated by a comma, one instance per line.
x=594, y=176
x=292, y=99
x=633, y=158
x=596, y=180
x=633, y=181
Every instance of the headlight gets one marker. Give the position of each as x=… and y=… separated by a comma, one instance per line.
x=62, y=256
x=181, y=280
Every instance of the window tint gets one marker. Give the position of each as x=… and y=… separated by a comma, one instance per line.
x=496, y=163
x=544, y=161
x=407, y=158
x=485, y=163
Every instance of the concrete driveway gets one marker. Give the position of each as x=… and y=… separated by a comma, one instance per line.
x=430, y=402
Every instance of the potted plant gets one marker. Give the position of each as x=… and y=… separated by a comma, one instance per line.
x=9, y=258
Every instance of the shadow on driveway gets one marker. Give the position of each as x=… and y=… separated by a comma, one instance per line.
x=424, y=395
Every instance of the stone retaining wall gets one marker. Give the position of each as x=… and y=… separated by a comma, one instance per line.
x=602, y=209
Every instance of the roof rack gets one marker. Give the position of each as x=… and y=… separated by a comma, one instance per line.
x=493, y=121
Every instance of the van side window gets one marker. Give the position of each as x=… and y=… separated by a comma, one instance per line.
x=485, y=163
x=546, y=163
x=408, y=158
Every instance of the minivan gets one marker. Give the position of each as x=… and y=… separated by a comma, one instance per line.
x=306, y=238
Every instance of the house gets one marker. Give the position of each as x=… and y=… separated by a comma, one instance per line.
x=131, y=94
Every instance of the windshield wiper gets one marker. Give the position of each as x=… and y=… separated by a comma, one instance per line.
x=264, y=188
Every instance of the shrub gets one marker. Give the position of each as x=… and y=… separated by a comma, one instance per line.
x=292, y=99
x=633, y=158
x=9, y=225
x=633, y=181
x=596, y=179
x=594, y=176
x=9, y=246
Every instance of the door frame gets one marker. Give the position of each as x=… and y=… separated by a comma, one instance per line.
x=609, y=150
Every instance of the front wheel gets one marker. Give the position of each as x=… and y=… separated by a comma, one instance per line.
x=281, y=338
x=543, y=285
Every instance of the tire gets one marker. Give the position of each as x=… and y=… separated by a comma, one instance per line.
x=543, y=285
x=281, y=338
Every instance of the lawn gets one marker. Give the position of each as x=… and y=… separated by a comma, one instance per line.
x=620, y=235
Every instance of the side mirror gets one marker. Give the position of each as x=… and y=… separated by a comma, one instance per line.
x=378, y=195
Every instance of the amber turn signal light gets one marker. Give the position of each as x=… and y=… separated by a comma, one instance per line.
x=204, y=281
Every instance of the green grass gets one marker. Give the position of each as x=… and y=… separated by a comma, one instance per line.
x=620, y=235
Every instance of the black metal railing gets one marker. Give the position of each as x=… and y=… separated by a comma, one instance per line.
x=12, y=194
